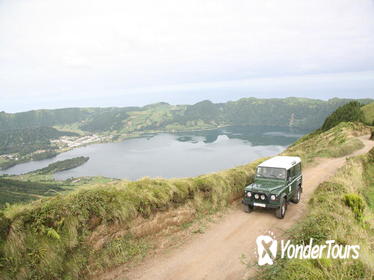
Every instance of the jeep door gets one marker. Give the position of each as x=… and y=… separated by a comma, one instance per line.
x=292, y=182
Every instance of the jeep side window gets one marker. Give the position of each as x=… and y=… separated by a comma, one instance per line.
x=289, y=175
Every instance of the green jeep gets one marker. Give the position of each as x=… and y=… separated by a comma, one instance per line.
x=278, y=180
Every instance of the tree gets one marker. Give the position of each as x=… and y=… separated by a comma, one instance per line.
x=350, y=112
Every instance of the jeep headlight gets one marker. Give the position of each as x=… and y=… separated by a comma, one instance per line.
x=273, y=197
x=257, y=196
x=263, y=197
x=249, y=194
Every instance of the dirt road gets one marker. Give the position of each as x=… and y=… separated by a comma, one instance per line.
x=217, y=253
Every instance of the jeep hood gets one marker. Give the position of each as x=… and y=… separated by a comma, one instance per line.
x=265, y=187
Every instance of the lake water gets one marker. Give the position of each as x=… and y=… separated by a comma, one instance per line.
x=172, y=155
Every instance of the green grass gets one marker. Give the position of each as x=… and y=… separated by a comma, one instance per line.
x=337, y=211
x=32, y=186
x=369, y=113
x=119, y=250
x=369, y=176
x=60, y=226
x=13, y=190
x=336, y=142
x=70, y=236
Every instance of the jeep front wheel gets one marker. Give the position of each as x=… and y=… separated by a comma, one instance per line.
x=281, y=211
x=248, y=208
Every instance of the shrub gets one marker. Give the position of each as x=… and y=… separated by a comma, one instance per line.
x=371, y=156
x=350, y=112
x=356, y=203
x=4, y=226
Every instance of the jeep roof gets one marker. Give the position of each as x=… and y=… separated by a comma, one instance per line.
x=281, y=162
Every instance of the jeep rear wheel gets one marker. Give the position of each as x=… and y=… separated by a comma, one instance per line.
x=281, y=211
x=296, y=198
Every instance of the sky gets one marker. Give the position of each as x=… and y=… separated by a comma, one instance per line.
x=72, y=53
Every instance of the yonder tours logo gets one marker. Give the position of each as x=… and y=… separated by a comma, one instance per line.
x=267, y=249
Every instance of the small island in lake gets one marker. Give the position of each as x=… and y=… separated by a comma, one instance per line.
x=62, y=165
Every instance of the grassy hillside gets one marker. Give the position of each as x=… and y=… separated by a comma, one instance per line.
x=350, y=112
x=341, y=209
x=13, y=190
x=368, y=111
x=69, y=236
x=49, y=239
x=335, y=142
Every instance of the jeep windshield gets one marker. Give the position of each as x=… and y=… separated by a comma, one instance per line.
x=271, y=173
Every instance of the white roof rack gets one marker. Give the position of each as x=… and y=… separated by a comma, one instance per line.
x=281, y=162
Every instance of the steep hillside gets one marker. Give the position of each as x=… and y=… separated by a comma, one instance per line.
x=33, y=143
x=335, y=142
x=103, y=225
x=350, y=112
x=24, y=141
x=369, y=113
x=296, y=112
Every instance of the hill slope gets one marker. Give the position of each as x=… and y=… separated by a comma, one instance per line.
x=228, y=245
x=368, y=110
x=296, y=112
x=105, y=225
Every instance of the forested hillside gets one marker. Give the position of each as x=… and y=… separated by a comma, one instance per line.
x=350, y=112
x=295, y=112
x=39, y=118
x=27, y=140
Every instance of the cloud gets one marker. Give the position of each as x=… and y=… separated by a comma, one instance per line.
x=82, y=48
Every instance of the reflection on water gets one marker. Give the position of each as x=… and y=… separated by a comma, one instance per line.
x=173, y=155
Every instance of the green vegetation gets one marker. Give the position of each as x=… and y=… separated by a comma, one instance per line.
x=295, y=112
x=336, y=142
x=55, y=238
x=107, y=120
x=338, y=212
x=26, y=136
x=336, y=136
x=44, y=155
x=44, y=118
x=70, y=236
x=356, y=203
x=33, y=186
x=350, y=112
x=13, y=190
x=76, y=234
x=368, y=111
x=20, y=145
x=24, y=141
x=62, y=165
x=369, y=175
